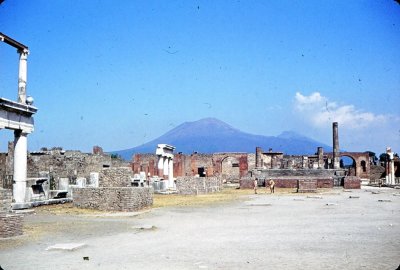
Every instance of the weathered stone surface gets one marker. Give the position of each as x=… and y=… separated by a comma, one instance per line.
x=115, y=177
x=190, y=185
x=352, y=182
x=307, y=185
x=113, y=198
x=10, y=225
x=5, y=200
x=246, y=183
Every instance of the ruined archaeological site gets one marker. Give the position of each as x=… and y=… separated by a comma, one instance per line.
x=66, y=209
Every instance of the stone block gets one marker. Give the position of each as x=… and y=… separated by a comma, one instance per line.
x=63, y=183
x=352, y=182
x=307, y=185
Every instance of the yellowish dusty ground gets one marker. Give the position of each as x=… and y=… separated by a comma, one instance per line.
x=160, y=200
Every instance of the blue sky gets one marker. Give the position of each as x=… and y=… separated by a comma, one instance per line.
x=121, y=73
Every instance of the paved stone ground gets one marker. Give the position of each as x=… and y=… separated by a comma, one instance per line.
x=265, y=231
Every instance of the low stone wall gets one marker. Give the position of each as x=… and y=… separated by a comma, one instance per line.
x=325, y=182
x=123, y=199
x=115, y=177
x=5, y=200
x=287, y=182
x=307, y=185
x=10, y=225
x=248, y=182
x=352, y=182
x=189, y=185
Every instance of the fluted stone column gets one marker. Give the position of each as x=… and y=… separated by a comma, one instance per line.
x=20, y=166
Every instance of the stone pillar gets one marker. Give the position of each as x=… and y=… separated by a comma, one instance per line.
x=320, y=153
x=258, y=157
x=336, y=156
x=166, y=168
x=22, y=76
x=160, y=166
x=305, y=162
x=390, y=177
x=171, y=172
x=20, y=166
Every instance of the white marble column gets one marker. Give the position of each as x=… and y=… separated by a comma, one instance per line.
x=166, y=168
x=22, y=76
x=171, y=172
x=20, y=166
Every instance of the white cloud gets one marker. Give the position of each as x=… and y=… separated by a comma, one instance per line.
x=321, y=112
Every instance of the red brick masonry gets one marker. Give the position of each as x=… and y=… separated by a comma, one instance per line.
x=352, y=182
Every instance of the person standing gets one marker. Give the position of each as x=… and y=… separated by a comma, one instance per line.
x=255, y=185
x=271, y=185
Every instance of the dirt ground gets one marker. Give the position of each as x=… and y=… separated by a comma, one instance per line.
x=335, y=229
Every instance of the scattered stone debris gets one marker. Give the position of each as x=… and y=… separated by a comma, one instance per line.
x=259, y=204
x=86, y=258
x=314, y=197
x=145, y=228
x=384, y=200
x=346, y=190
x=375, y=192
x=298, y=199
x=66, y=246
x=396, y=194
x=354, y=197
x=331, y=204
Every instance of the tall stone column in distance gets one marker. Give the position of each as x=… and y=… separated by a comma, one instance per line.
x=20, y=166
x=258, y=157
x=336, y=156
x=320, y=153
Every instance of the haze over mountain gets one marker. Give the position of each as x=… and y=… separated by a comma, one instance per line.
x=210, y=135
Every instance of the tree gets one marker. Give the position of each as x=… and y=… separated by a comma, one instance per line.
x=383, y=157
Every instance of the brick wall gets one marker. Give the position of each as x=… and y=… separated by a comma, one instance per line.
x=5, y=200
x=123, y=199
x=115, y=177
x=190, y=185
x=307, y=185
x=10, y=225
x=352, y=182
x=286, y=182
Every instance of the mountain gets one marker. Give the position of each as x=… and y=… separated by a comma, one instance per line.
x=211, y=135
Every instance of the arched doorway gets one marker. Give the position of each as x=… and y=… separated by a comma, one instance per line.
x=349, y=164
x=230, y=168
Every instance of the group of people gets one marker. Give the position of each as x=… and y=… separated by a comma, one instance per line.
x=271, y=184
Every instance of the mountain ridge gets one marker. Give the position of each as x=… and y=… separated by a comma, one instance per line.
x=211, y=135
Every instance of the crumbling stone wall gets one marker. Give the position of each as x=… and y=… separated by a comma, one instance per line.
x=3, y=159
x=274, y=173
x=124, y=199
x=10, y=225
x=287, y=182
x=115, y=177
x=5, y=199
x=189, y=185
x=352, y=182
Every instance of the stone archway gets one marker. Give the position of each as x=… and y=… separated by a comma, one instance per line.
x=230, y=167
x=361, y=163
